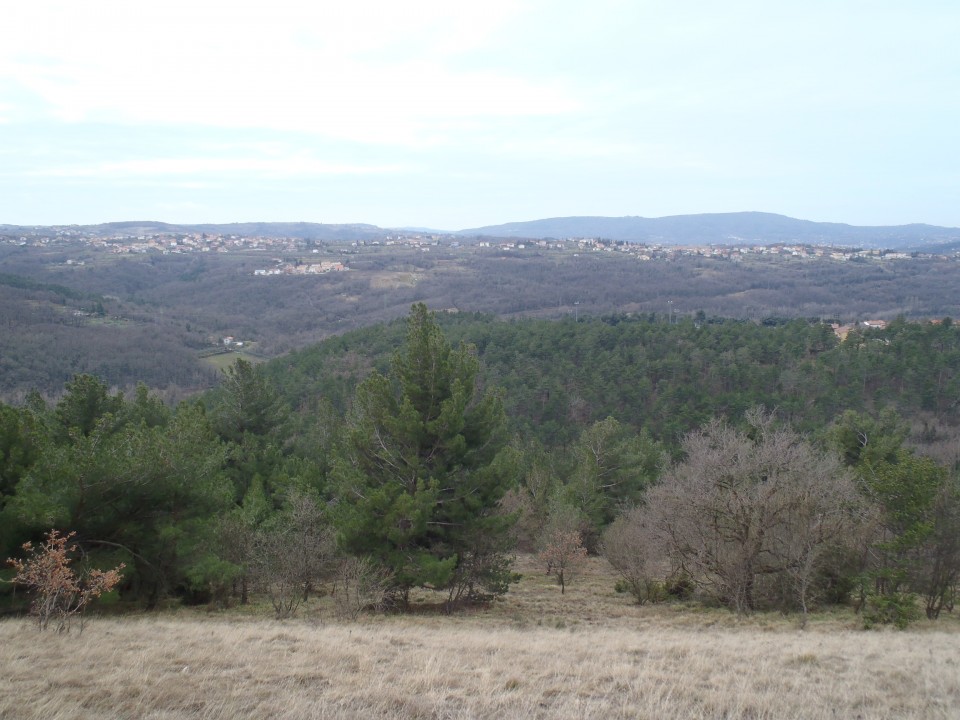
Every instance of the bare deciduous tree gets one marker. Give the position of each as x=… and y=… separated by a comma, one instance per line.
x=564, y=553
x=561, y=541
x=633, y=547
x=360, y=584
x=291, y=558
x=749, y=512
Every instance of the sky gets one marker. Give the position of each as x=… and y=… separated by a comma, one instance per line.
x=430, y=113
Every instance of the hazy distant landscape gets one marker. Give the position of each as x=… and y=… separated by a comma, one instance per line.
x=728, y=229
x=112, y=299
x=751, y=228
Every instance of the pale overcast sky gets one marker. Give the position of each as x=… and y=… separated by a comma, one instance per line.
x=454, y=115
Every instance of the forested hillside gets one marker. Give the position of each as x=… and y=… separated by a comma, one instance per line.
x=419, y=455
x=667, y=377
x=155, y=318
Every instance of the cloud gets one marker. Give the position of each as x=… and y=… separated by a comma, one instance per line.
x=634, y=106
x=371, y=71
x=272, y=168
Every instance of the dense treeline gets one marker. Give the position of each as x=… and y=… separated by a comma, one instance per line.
x=200, y=502
x=667, y=377
x=420, y=454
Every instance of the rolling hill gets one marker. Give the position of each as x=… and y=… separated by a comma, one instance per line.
x=725, y=229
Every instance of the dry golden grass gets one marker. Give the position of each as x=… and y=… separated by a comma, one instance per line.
x=589, y=654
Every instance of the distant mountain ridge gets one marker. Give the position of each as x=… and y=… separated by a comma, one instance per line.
x=754, y=228
x=724, y=229
x=302, y=230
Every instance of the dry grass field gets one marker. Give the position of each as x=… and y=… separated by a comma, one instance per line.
x=587, y=654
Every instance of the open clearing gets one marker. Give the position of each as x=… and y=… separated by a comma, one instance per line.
x=222, y=360
x=588, y=654
x=392, y=280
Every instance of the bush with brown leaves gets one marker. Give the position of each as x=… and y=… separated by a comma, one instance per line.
x=59, y=594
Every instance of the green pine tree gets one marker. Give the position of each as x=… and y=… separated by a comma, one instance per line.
x=418, y=481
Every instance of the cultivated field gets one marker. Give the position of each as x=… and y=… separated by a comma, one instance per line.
x=588, y=654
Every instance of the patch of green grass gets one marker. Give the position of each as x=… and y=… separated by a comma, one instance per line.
x=109, y=321
x=224, y=360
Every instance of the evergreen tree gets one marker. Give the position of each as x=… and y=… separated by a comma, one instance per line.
x=613, y=468
x=919, y=548
x=83, y=405
x=249, y=415
x=246, y=403
x=418, y=483
x=22, y=439
x=150, y=495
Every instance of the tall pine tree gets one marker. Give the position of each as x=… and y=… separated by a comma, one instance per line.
x=418, y=482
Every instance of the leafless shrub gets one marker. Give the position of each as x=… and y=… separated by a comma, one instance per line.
x=529, y=522
x=634, y=549
x=360, y=584
x=294, y=556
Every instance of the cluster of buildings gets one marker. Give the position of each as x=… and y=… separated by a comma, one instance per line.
x=180, y=243
x=799, y=251
x=299, y=268
x=197, y=242
x=841, y=331
x=163, y=242
x=656, y=251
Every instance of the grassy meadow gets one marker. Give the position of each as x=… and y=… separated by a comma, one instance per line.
x=222, y=361
x=587, y=654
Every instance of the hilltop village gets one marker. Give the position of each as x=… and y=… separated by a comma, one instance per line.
x=291, y=256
